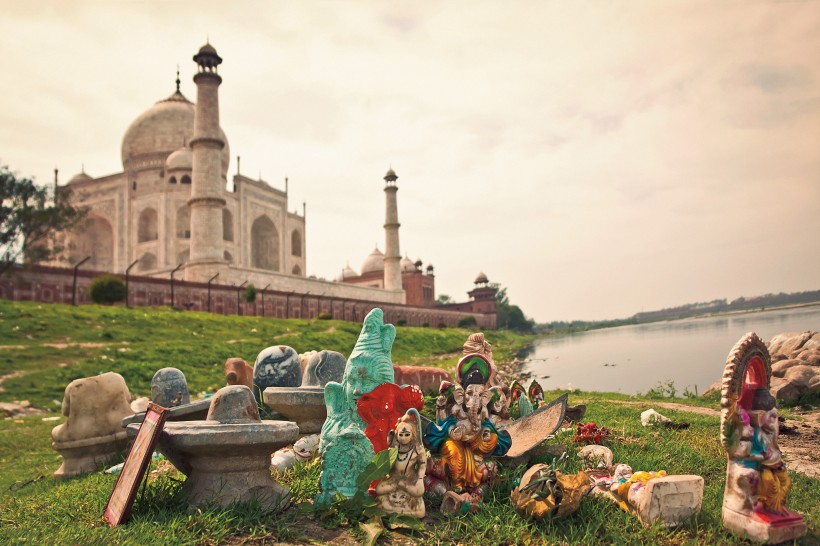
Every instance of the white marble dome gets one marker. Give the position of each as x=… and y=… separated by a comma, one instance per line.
x=182, y=159
x=407, y=264
x=159, y=131
x=374, y=262
x=80, y=177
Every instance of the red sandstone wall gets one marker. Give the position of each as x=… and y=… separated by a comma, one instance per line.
x=54, y=285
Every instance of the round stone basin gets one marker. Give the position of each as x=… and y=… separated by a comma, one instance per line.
x=303, y=405
x=215, y=438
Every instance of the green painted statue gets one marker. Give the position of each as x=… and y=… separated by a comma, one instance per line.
x=343, y=447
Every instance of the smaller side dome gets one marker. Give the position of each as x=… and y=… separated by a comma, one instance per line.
x=180, y=159
x=406, y=264
x=374, y=262
x=481, y=279
x=80, y=177
x=391, y=175
x=349, y=272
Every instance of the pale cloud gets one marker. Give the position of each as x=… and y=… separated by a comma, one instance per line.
x=596, y=158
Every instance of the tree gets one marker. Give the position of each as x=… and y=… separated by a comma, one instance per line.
x=444, y=299
x=249, y=295
x=510, y=317
x=107, y=289
x=29, y=216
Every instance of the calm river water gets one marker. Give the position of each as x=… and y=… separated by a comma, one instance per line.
x=632, y=359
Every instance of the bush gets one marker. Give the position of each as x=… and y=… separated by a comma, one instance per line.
x=401, y=322
x=106, y=289
x=467, y=322
x=249, y=295
x=441, y=325
x=425, y=325
x=324, y=315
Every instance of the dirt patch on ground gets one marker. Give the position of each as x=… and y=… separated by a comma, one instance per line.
x=798, y=440
x=84, y=345
x=15, y=373
x=15, y=347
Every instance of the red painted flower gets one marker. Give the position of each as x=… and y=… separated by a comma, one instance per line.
x=382, y=407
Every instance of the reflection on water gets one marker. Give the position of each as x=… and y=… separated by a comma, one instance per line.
x=631, y=359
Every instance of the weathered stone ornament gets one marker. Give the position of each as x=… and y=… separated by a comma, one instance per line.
x=402, y=491
x=322, y=367
x=276, y=366
x=92, y=434
x=305, y=406
x=238, y=372
x=546, y=493
x=757, y=481
x=344, y=448
x=652, y=497
x=463, y=439
x=169, y=388
x=227, y=456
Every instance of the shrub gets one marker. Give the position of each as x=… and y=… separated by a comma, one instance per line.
x=401, y=322
x=467, y=322
x=106, y=289
x=425, y=325
x=324, y=315
x=249, y=295
x=441, y=325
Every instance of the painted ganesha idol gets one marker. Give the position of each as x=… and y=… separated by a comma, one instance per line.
x=757, y=481
x=463, y=439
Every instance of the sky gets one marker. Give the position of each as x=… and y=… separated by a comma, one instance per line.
x=597, y=159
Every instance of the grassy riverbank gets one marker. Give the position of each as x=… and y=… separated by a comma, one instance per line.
x=51, y=345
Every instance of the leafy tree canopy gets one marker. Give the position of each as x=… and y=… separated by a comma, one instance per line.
x=29, y=216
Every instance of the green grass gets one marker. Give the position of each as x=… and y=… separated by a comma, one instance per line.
x=42, y=510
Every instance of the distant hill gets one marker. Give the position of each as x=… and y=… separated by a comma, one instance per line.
x=692, y=310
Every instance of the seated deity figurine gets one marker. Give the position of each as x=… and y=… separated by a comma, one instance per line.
x=343, y=446
x=757, y=481
x=464, y=438
x=401, y=492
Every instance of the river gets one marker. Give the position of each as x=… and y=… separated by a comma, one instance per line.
x=632, y=359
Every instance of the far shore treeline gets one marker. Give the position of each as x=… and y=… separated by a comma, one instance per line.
x=756, y=303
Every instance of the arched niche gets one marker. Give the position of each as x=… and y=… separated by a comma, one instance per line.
x=264, y=244
x=147, y=262
x=147, y=225
x=227, y=225
x=297, y=271
x=95, y=238
x=296, y=243
x=184, y=222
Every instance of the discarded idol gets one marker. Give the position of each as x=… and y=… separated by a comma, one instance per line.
x=463, y=439
x=382, y=408
x=227, y=456
x=238, y=372
x=402, y=491
x=757, y=481
x=321, y=367
x=92, y=434
x=344, y=448
x=305, y=406
x=652, y=496
x=544, y=492
x=169, y=388
x=527, y=400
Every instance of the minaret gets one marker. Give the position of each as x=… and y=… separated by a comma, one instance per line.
x=392, y=254
x=206, y=200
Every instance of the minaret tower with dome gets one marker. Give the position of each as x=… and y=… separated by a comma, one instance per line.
x=207, y=199
x=392, y=254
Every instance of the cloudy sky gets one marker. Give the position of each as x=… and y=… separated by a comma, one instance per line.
x=597, y=159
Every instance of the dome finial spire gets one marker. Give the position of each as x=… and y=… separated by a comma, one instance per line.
x=177, y=80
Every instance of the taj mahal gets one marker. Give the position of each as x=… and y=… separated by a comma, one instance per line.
x=174, y=208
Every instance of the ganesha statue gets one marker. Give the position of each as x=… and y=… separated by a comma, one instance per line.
x=757, y=481
x=464, y=438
